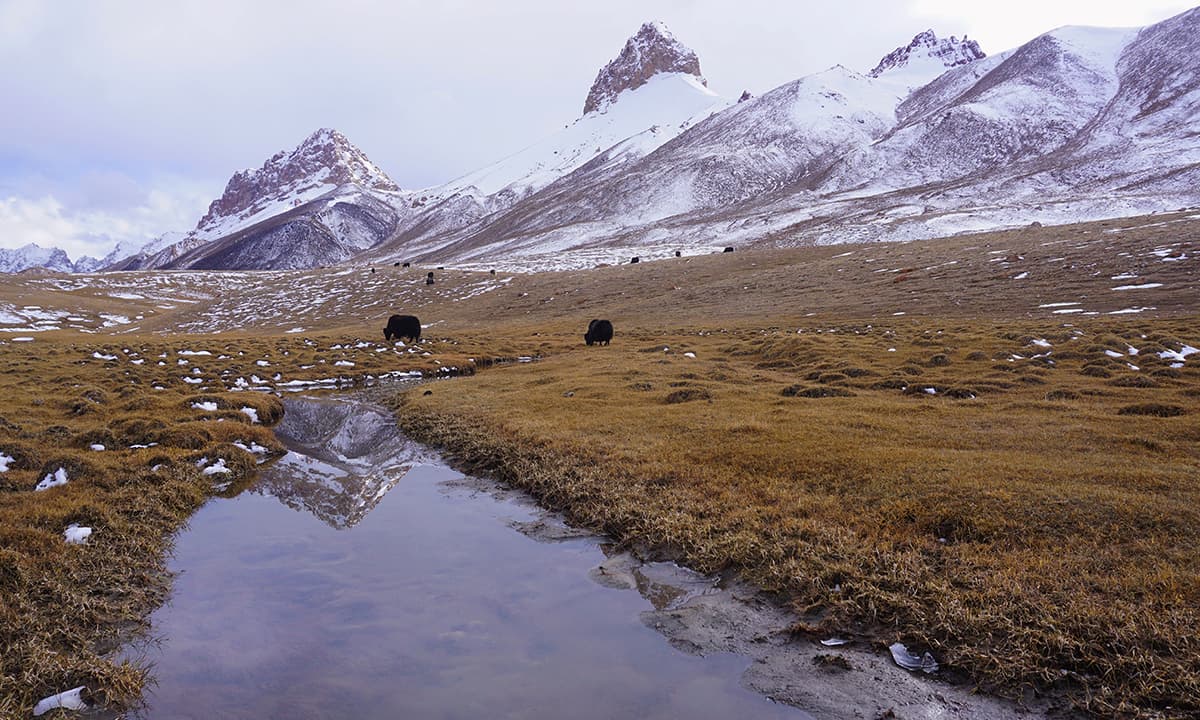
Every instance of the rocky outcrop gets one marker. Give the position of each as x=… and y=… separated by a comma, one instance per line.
x=651, y=51
x=949, y=52
x=324, y=158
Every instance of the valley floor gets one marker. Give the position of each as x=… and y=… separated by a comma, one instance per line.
x=985, y=447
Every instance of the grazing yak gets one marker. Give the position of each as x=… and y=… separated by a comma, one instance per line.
x=406, y=327
x=599, y=332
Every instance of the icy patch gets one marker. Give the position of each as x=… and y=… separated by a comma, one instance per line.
x=251, y=413
x=1040, y=342
x=70, y=700
x=22, y=339
x=97, y=447
x=1124, y=276
x=261, y=363
x=54, y=479
x=4, y=462
x=208, y=406
x=1022, y=276
x=192, y=381
x=76, y=535
x=294, y=330
x=689, y=354
x=194, y=352
x=1143, y=286
x=1068, y=311
x=1128, y=311
x=1058, y=304
x=253, y=448
x=908, y=661
x=101, y=356
x=1178, y=355
x=344, y=363
x=215, y=468
x=1113, y=354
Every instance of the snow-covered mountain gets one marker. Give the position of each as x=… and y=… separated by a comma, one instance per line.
x=652, y=91
x=33, y=255
x=318, y=204
x=1078, y=123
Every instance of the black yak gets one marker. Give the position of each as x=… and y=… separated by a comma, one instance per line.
x=406, y=327
x=599, y=332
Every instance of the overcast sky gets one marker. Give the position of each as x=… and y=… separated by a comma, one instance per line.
x=122, y=120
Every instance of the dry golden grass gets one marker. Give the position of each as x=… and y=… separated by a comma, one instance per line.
x=1019, y=522
x=1033, y=522
x=65, y=609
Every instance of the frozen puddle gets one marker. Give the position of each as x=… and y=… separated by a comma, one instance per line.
x=361, y=577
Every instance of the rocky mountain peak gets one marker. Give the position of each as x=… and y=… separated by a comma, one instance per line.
x=326, y=159
x=652, y=50
x=949, y=52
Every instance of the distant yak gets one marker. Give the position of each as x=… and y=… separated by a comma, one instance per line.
x=599, y=332
x=728, y=249
x=406, y=327
x=634, y=260
x=406, y=265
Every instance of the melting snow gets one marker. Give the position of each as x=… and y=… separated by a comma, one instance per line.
x=1178, y=355
x=4, y=462
x=76, y=535
x=208, y=406
x=251, y=413
x=71, y=700
x=54, y=479
x=215, y=468
x=1143, y=286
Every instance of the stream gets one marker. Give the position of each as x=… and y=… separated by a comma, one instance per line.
x=361, y=577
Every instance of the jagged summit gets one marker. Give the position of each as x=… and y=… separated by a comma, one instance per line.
x=927, y=48
x=325, y=159
x=652, y=50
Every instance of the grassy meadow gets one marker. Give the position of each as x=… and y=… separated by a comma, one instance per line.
x=984, y=446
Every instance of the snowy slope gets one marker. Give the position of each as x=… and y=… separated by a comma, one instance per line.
x=1079, y=123
x=318, y=204
x=33, y=255
x=667, y=103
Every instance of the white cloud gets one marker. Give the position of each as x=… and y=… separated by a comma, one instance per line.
x=84, y=229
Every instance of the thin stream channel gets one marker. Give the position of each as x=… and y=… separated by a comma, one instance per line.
x=361, y=577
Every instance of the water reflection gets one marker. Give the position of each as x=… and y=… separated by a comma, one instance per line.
x=412, y=598
x=343, y=459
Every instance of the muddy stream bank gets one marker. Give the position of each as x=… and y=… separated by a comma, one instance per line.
x=362, y=577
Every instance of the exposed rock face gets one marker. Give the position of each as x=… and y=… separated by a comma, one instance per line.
x=651, y=51
x=950, y=52
x=325, y=158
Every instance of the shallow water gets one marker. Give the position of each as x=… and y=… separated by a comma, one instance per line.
x=362, y=578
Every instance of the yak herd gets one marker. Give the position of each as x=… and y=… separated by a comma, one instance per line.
x=408, y=328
